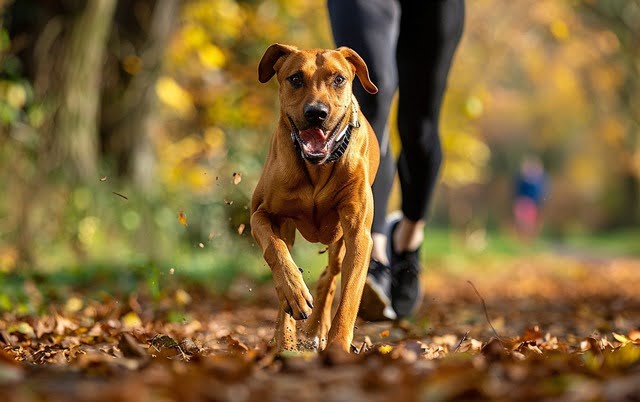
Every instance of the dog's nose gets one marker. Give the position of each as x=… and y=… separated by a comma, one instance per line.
x=316, y=113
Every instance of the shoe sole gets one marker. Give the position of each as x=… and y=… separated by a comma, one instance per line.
x=375, y=305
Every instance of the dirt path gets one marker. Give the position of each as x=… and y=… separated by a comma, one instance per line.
x=565, y=329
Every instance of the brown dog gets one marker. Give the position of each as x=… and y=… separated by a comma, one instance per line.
x=317, y=178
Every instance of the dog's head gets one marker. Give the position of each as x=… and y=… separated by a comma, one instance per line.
x=315, y=93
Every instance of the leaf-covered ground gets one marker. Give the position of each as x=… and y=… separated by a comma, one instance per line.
x=564, y=328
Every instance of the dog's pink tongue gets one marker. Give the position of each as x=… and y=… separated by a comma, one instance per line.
x=313, y=139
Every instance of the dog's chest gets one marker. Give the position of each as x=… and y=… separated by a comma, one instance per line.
x=322, y=228
x=316, y=215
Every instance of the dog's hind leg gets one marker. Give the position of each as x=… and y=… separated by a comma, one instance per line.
x=320, y=320
x=285, y=335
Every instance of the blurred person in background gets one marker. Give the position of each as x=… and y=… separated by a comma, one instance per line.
x=408, y=46
x=529, y=193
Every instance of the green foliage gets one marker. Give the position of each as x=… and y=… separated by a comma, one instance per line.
x=17, y=102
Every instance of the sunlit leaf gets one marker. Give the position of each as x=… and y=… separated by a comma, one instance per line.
x=131, y=320
x=237, y=178
x=182, y=297
x=182, y=218
x=385, y=349
x=73, y=305
x=173, y=95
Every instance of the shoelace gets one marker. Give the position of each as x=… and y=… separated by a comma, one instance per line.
x=379, y=269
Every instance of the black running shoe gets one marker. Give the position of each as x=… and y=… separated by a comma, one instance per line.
x=406, y=292
x=376, y=298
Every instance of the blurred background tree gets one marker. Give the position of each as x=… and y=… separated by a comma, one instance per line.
x=158, y=102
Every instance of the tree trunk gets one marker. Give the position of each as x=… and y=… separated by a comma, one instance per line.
x=75, y=128
x=67, y=68
x=132, y=137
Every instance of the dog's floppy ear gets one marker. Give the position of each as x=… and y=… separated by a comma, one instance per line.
x=362, y=72
x=270, y=58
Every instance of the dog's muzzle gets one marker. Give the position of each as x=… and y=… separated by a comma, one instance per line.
x=335, y=145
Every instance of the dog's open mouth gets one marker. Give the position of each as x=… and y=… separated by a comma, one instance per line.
x=316, y=144
x=314, y=141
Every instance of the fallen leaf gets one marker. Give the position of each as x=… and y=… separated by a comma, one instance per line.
x=235, y=344
x=621, y=338
x=182, y=297
x=182, y=217
x=241, y=228
x=162, y=341
x=190, y=347
x=73, y=305
x=130, y=347
x=385, y=349
x=237, y=178
x=131, y=320
x=23, y=328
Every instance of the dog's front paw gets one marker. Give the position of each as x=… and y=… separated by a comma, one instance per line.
x=295, y=298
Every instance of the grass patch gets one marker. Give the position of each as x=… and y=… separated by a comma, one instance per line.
x=214, y=269
x=608, y=244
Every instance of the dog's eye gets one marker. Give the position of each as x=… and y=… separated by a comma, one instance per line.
x=339, y=80
x=295, y=80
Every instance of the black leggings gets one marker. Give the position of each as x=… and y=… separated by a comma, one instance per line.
x=407, y=45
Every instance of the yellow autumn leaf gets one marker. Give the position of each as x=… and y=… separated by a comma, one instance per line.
x=621, y=338
x=16, y=95
x=211, y=56
x=131, y=320
x=173, y=95
x=182, y=297
x=73, y=305
x=182, y=217
x=385, y=349
x=623, y=357
x=196, y=180
x=194, y=35
x=559, y=29
x=214, y=138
